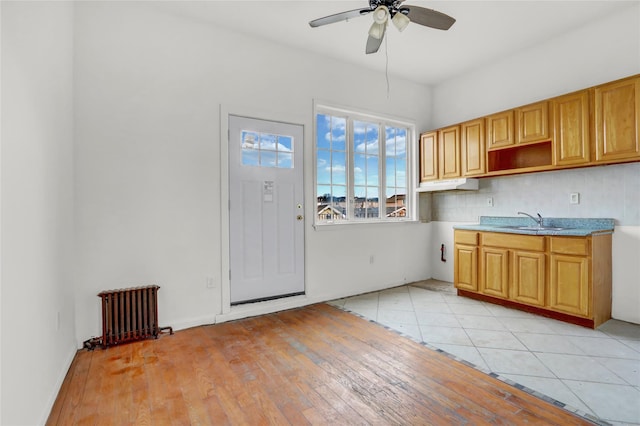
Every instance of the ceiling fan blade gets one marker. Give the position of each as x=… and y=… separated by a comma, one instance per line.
x=429, y=18
x=373, y=44
x=342, y=16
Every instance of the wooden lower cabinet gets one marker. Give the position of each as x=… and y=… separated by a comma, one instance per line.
x=567, y=278
x=528, y=279
x=465, y=260
x=494, y=271
x=466, y=270
x=569, y=284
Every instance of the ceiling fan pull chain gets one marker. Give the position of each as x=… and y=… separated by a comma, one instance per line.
x=386, y=65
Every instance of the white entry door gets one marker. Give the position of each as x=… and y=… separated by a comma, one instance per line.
x=266, y=211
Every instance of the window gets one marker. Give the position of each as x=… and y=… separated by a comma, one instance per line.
x=361, y=167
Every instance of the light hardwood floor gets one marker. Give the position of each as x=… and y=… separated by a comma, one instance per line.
x=313, y=365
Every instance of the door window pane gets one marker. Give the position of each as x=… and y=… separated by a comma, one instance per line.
x=266, y=150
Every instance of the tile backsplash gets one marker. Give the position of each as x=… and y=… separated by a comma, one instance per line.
x=604, y=191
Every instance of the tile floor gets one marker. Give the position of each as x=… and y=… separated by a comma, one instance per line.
x=594, y=372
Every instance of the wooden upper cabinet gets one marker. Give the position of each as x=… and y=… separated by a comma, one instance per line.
x=532, y=123
x=617, y=119
x=449, y=152
x=428, y=156
x=473, y=151
x=500, y=130
x=571, y=129
x=595, y=126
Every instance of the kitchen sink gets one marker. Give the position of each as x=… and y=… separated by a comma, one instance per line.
x=537, y=228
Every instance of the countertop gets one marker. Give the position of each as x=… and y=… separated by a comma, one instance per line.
x=580, y=227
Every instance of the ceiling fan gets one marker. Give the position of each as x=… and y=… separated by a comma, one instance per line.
x=383, y=10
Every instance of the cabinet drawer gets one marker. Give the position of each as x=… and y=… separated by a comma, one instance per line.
x=513, y=241
x=466, y=237
x=569, y=245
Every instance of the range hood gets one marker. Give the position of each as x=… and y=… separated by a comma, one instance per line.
x=467, y=184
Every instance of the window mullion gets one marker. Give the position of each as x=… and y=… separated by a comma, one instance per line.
x=382, y=177
x=349, y=146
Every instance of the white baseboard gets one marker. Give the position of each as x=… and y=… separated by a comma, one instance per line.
x=56, y=390
x=266, y=307
x=191, y=322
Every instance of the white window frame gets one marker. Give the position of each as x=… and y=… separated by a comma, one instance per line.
x=410, y=149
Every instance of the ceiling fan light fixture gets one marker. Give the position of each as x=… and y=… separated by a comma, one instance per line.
x=381, y=15
x=377, y=30
x=401, y=21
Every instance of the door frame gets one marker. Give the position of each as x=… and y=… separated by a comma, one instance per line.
x=225, y=307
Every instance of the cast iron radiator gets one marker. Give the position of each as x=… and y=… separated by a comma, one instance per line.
x=128, y=315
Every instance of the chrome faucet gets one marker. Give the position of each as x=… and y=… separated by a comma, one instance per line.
x=538, y=220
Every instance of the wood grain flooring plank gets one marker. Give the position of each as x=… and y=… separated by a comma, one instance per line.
x=316, y=365
x=217, y=414
x=72, y=389
x=494, y=395
x=371, y=388
x=375, y=371
x=501, y=392
x=416, y=385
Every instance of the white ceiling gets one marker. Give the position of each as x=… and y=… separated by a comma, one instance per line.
x=484, y=30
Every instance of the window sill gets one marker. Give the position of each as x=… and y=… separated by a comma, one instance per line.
x=335, y=226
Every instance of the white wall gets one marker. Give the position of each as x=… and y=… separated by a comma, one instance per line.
x=606, y=50
x=149, y=88
x=38, y=333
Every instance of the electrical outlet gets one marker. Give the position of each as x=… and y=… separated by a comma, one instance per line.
x=574, y=198
x=489, y=201
x=211, y=283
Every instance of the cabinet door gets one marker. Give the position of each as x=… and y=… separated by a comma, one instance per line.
x=473, y=148
x=617, y=118
x=428, y=156
x=494, y=272
x=465, y=272
x=569, y=284
x=532, y=123
x=449, y=152
x=499, y=130
x=571, y=129
x=528, y=277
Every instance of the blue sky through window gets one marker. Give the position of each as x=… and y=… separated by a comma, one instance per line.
x=351, y=169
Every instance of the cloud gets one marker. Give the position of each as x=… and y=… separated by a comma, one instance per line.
x=370, y=147
x=334, y=137
x=397, y=144
x=336, y=168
